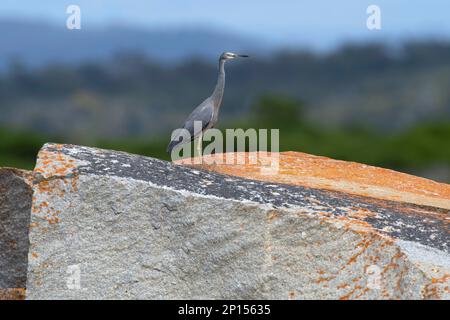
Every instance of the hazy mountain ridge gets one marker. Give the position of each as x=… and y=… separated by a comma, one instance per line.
x=367, y=103
x=106, y=81
x=37, y=44
x=365, y=86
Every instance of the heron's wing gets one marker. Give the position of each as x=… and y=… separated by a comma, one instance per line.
x=204, y=114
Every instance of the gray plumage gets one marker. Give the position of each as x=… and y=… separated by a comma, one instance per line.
x=208, y=111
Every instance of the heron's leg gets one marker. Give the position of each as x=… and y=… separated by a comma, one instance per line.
x=199, y=145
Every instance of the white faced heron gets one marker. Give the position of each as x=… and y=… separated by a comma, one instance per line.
x=208, y=111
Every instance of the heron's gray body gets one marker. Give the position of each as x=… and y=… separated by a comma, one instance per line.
x=207, y=112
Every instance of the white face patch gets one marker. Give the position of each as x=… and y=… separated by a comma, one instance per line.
x=230, y=55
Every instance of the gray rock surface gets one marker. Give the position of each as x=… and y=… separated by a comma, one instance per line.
x=109, y=225
x=15, y=207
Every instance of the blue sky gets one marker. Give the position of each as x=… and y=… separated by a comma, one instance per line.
x=317, y=23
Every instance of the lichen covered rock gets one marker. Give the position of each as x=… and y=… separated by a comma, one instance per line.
x=108, y=224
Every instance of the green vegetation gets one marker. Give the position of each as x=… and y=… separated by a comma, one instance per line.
x=370, y=103
x=19, y=149
x=411, y=150
x=372, y=86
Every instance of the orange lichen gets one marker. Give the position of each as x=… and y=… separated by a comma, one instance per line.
x=51, y=165
x=12, y=294
x=393, y=264
x=319, y=172
x=441, y=279
x=349, y=294
x=364, y=244
x=347, y=223
x=360, y=213
x=324, y=279
x=342, y=286
x=363, y=292
x=272, y=215
x=431, y=291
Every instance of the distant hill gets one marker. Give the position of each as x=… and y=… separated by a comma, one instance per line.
x=123, y=91
x=35, y=43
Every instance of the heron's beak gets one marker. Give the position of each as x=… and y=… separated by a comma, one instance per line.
x=242, y=55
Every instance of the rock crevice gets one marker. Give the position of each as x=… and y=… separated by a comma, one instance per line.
x=15, y=205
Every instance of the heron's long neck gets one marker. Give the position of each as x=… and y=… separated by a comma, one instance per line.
x=220, y=86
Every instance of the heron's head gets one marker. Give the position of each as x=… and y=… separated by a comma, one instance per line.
x=231, y=55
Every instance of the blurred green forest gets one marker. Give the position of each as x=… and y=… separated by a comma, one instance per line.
x=369, y=104
x=411, y=150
